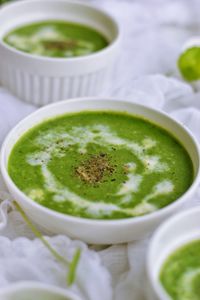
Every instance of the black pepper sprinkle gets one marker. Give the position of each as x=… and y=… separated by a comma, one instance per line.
x=93, y=170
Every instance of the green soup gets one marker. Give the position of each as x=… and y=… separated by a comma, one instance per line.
x=101, y=165
x=180, y=275
x=56, y=39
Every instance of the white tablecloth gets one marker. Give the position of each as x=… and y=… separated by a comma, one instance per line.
x=154, y=32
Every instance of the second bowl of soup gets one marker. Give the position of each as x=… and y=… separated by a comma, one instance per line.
x=101, y=170
x=54, y=50
x=173, y=262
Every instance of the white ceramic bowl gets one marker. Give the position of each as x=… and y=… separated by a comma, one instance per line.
x=98, y=231
x=35, y=290
x=175, y=232
x=42, y=80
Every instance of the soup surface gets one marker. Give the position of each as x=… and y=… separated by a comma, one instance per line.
x=101, y=165
x=56, y=39
x=180, y=274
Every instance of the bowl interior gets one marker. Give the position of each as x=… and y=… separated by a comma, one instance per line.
x=175, y=232
x=26, y=12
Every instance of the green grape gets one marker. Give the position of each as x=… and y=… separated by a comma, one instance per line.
x=189, y=64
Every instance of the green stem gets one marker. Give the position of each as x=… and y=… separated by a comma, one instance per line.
x=72, y=266
x=71, y=276
x=39, y=235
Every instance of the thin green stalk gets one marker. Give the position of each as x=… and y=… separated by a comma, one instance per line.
x=72, y=266
x=71, y=276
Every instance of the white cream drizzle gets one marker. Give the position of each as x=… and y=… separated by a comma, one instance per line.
x=185, y=285
x=161, y=188
x=101, y=135
x=36, y=194
x=33, y=43
x=46, y=33
x=132, y=184
x=148, y=143
x=153, y=164
x=143, y=208
x=53, y=141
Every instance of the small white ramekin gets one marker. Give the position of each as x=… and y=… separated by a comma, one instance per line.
x=174, y=233
x=42, y=80
x=28, y=290
x=89, y=230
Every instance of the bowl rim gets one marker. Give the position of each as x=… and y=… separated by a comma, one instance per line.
x=102, y=222
x=39, y=286
x=165, y=226
x=78, y=59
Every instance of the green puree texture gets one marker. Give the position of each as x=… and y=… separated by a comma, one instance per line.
x=55, y=38
x=68, y=155
x=180, y=274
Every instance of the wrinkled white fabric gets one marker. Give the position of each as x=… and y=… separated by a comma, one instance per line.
x=23, y=259
x=154, y=32
x=12, y=110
